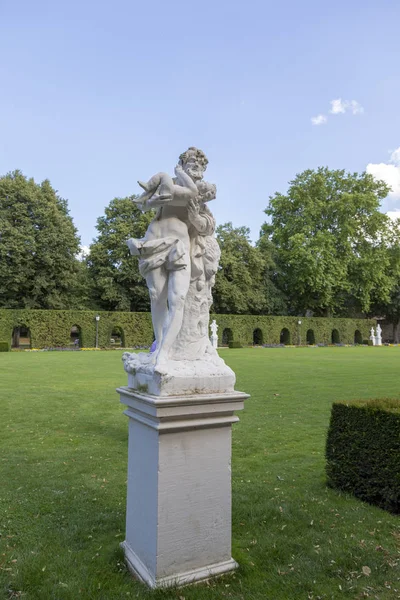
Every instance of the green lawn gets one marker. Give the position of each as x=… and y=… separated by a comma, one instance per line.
x=63, y=452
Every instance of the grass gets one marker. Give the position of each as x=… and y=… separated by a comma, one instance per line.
x=63, y=452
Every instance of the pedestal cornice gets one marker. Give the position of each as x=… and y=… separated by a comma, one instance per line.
x=174, y=413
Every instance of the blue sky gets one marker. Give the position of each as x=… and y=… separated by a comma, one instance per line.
x=95, y=95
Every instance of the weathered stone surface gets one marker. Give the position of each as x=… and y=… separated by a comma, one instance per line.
x=179, y=258
x=179, y=486
x=180, y=397
x=209, y=375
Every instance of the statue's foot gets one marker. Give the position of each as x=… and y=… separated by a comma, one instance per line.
x=143, y=185
x=161, y=367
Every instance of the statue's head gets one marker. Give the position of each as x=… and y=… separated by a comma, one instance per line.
x=194, y=162
x=207, y=191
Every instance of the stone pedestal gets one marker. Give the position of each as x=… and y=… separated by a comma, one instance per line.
x=178, y=522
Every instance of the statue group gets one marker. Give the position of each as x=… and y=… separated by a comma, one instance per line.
x=179, y=258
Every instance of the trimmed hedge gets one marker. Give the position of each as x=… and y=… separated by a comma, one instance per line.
x=363, y=451
x=235, y=345
x=318, y=329
x=4, y=347
x=52, y=328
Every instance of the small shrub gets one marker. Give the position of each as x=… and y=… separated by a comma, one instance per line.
x=370, y=343
x=235, y=345
x=363, y=451
x=4, y=347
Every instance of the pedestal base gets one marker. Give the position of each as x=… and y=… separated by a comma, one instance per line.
x=138, y=569
x=208, y=376
x=178, y=522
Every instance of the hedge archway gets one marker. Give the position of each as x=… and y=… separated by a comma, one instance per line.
x=21, y=337
x=227, y=336
x=258, y=338
x=310, y=337
x=335, y=337
x=285, y=336
x=358, y=337
x=76, y=335
x=117, y=337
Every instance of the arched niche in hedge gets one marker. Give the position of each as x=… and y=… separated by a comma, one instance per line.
x=76, y=335
x=335, y=337
x=258, y=337
x=358, y=337
x=117, y=337
x=310, y=337
x=284, y=337
x=21, y=337
x=227, y=336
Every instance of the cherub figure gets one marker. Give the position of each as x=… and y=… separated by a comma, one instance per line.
x=162, y=189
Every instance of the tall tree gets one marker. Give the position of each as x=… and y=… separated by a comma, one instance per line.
x=115, y=274
x=276, y=301
x=38, y=245
x=242, y=284
x=332, y=241
x=84, y=296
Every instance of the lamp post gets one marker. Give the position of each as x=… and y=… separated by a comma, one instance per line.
x=97, y=317
x=299, y=323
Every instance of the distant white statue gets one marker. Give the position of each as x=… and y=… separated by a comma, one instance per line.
x=372, y=336
x=378, y=337
x=179, y=257
x=214, y=334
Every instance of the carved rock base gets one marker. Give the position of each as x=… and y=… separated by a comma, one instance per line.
x=178, y=521
x=207, y=376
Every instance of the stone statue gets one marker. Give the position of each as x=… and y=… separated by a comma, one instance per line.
x=214, y=334
x=378, y=337
x=214, y=327
x=179, y=258
x=372, y=336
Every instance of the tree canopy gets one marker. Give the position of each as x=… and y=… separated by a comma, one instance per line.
x=242, y=283
x=115, y=275
x=38, y=245
x=327, y=249
x=333, y=245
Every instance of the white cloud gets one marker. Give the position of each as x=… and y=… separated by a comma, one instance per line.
x=337, y=107
x=394, y=214
x=395, y=157
x=356, y=107
x=340, y=106
x=388, y=172
x=83, y=252
x=319, y=120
